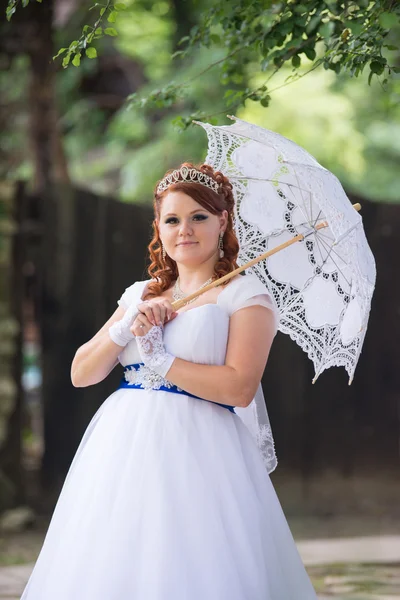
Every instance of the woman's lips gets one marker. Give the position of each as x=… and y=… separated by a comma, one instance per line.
x=186, y=243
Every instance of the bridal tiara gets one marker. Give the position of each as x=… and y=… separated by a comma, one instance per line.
x=186, y=175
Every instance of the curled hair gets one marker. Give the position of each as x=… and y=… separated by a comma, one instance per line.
x=165, y=271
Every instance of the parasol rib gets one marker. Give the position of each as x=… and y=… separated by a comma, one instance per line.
x=298, y=238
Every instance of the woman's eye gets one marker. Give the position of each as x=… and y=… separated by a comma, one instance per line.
x=174, y=220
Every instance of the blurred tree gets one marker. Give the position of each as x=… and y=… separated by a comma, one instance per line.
x=102, y=138
x=352, y=128
x=340, y=35
x=32, y=37
x=265, y=36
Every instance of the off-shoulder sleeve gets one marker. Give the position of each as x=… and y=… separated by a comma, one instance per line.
x=133, y=293
x=128, y=296
x=248, y=291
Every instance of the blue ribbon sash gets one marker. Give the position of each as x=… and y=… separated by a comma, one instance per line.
x=132, y=372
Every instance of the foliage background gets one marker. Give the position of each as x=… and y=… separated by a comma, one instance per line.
x=118, y=143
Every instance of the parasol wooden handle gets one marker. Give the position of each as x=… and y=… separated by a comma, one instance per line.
x=298, y=238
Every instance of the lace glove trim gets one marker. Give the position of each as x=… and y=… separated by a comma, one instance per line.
x=119, y=331
x=152, y=351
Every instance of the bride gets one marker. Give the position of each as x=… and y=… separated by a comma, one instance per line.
x=168, y=496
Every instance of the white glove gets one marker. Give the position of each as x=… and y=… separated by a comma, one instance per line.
x=152, y=351
x=119, y=331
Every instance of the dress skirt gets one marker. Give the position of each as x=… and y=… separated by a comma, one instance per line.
x=167, y=498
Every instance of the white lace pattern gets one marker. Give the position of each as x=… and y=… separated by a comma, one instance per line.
x=322, y=285
x=152, y=351
x=147, y=378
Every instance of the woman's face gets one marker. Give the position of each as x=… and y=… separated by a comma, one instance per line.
x=189, y=232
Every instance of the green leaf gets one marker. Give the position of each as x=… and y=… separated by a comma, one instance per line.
x=111, y=31
x=10, y=12
x=278, y=61
x=76, y=61
x=296, y=61
x=185, y=38
x=310, y=53
x=371, y=74
x=120, y=6
x=286, y=27
x=91, y=52
x=300, y=8
x=112, y=17
x=294, y=43
x=387, y=20
x=61, y=51
x=228, y=94
x=313, y=24
x=355, y=26
x=336, y=67
x=102, y=11
x=326, y=29
x=268, y=42
x=178, y=53
x=179, y=123
x=280, y=40
x=66, y=60
x=300, y=24
x=377, y=67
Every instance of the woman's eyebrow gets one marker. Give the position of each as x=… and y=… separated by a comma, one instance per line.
x=193, y=211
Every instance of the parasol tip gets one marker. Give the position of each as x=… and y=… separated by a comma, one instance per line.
x=231, y=117
x=315, y=379
x=357, y=206
x=351, y=380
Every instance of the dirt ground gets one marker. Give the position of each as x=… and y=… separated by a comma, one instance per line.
x=347, y=579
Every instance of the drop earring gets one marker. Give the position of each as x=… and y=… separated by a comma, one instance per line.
x=163, y=253
x=221, y=245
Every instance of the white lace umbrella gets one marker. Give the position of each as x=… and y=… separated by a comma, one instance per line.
x=322, y=284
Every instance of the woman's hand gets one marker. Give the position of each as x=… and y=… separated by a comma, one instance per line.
x=156, y=311
x=120, y=331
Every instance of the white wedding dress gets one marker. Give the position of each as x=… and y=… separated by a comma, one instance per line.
x=168, y=497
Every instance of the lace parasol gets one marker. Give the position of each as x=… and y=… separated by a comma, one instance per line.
x=323, y=284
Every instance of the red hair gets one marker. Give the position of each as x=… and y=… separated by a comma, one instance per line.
x=165, y=271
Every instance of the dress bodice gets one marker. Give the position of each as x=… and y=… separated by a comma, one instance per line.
x=200, y=334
